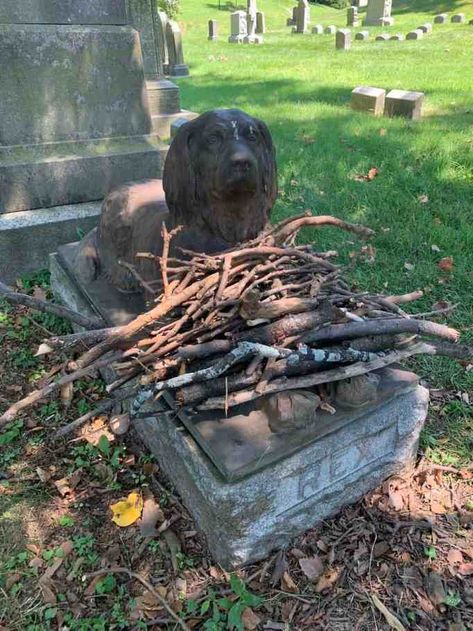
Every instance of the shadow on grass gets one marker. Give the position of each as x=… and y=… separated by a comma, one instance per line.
x=426, y=6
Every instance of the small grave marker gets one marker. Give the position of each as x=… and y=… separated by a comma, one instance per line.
x=368, y=99
x=404, y=103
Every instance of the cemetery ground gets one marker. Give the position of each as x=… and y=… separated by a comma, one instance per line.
x=403, y=556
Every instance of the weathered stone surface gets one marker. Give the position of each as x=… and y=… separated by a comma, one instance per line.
x=426, y=28
x=177, y=67
x=458, y=18
x=330, y=30
x=382, y=37
x=302, y=17
x=417, y=34
x=260, y=23
x=245, y=520
x=368, y=99
x=27, y=238
x=318, y=29
x=213, y=30
x=343, y=39
x=441, y=18
x=352, y=17
x=238, y=27
x=362, y=35
x=62, y=12
x=378, y=13
x=397, y=37
x=142, y=15
x=360, y=3
x=403, y=103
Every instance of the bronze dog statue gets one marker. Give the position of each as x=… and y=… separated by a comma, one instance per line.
x=219, y=183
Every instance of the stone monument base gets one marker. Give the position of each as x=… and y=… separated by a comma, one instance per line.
x=245, y=518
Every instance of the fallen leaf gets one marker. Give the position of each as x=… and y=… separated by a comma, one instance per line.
x=465, y=569
x=119, y=424
x=454, y=556
x=127, y=512
x=327, y=580
x=43, y=349
x=280, y=566
x=287, y=584
x=423, y=199
x=46, y=586
x=435, y=588
x=63, y=487
x=391, y=619
x=372, y=173
x=150, y=516
x=435, y=248
x=383, y=131
x=43, y=475
x=250, y=619
x=446, y=264
x=40, y=293
x=312, y=567
x=92, y=432
x=11, y=580
x=408, y=266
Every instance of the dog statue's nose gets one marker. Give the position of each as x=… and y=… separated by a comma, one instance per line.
x=241, y=160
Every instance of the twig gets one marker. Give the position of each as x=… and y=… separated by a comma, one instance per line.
x=144, y=582
x=8, y=294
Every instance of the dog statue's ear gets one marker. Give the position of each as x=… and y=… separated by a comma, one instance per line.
x=269, y=170
x=178, y=176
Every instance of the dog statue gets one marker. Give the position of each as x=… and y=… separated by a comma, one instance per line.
x=219, y=184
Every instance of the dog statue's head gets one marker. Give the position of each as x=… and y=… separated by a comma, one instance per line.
x=220, y=175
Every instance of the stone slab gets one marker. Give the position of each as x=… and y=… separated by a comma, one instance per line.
x=362, y=35
x=27, y=238
x=343, y=39
x=57, y=174
x=330, y=30
x=70, y=83
x=416, y=34
x=427, y=28
x=63, y=12
x=441, y=18
x=368, y=99
x=318, y=29
x=397, y=37
x=404, y=103
x=245, y=520
x=458, y=18
x=382, y=37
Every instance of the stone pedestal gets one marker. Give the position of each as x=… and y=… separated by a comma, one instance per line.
x=367, y=99
x=74, y=114
x=343, y=39
x=378, y=13
x=404, y=103
x=247, y=513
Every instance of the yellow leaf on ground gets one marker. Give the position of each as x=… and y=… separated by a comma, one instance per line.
x=126, y=512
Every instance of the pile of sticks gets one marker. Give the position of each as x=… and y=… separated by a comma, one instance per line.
x=263, y=317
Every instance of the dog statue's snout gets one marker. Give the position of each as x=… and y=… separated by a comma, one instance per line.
x=242, y=160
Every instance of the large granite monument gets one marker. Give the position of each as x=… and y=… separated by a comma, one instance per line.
x=378, y=13
x=75, y=119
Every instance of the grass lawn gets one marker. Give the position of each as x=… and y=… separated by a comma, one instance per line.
x=408, y=544
x=421, y=202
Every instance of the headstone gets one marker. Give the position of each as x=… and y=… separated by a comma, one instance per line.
x=382, y=37
x=260, y=23
x=343, y=39
x=163, y=95
x=368, y=99
x=251, y=37
x=427, y=28
x=177, y=67
x=238, y=27
x=292, y=21
x=458, y=18
x=74, y=122
x=252, y=491
x=362, y=35
x=213, y=30
x=318, y=29
x=397, y=37
x=403, y=103
x=378, y=13
x=352, y=17
x=441, y=18
x=330, y=30
x=302, y=17
x=417, y=34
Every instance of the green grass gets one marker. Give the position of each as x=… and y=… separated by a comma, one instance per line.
x=300, y=85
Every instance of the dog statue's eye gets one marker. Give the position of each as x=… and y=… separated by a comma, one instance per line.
x=213, y=139
x=252, y=135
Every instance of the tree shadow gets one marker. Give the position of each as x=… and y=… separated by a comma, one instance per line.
x=426, y=6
